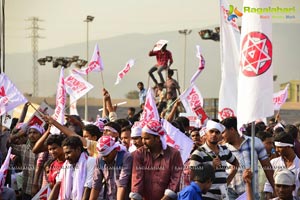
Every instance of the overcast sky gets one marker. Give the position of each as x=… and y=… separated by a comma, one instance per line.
x=63, y=19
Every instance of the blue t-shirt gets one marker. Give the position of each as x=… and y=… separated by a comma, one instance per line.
x=191, y=192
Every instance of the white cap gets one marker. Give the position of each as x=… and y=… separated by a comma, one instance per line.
x=136, y=132
x=214, y=125
x=284, y=177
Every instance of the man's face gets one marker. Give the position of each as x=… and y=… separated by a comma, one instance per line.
x=33, y=135
x=268, y=144
x=284, y=191
x=137, y=141
x=125, y=138
x=140, y=86
x=207, y=186
x=110, y=157
x=213, y=136
x=195, y=136
x=55, y=150
x=72, y=155
x=149, y=140
x=88, y=136
x=227, y=134
x=282, y=151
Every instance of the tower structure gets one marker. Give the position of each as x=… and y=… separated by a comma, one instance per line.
x=34, y=35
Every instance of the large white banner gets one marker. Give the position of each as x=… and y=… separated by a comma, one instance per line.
x=230, y=51
x=10, y=96
x=255, y=84
x=59, y=112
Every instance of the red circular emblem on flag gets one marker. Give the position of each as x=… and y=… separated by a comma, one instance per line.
x=225, y=113
x=256, y=54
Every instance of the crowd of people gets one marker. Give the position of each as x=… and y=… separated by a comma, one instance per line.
x=115, y=158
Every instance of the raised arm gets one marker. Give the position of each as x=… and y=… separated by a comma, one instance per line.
x=40, y=144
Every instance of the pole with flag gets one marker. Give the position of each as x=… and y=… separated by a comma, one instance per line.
x=255, y=83
x=230, y=50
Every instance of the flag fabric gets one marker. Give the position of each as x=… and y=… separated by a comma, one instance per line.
x=73, y=106
x=150, y=110
x=76, y=86
x=59, y=112
x=280, y=97
x=255, y=83
x=4, y=169
x=95, y=65
x=10, y=96
x=192, y=101
x=230, y=51
x=201, y=64
x=175, y=138
x=36, y=117
x=43, y=194
x=124, y=71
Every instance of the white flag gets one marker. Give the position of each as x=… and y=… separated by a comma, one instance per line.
x=73, y=106
x=76, y=86
x=255, y=84
x=230, y=51
x=175, y=138
x=10, y=96
x=201, y=64
x=280, y=97
x=59, y=112
x=150, y=110
x=43, y=194
x=124, y=71
x=4, y=169
x=192, y=101
x=95, y=65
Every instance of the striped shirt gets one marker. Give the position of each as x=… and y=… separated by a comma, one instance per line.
x=205, y=155
x=243, y=154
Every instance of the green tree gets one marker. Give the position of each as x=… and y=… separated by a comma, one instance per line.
x=133, y=94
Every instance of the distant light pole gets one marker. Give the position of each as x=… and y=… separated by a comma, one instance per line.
x=87, y=20
x=185, y=32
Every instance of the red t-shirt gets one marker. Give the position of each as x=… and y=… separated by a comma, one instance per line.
x=54, y=170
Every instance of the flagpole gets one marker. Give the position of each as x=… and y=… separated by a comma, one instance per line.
x=40, y=113
x=102, y=79
x=252, y=157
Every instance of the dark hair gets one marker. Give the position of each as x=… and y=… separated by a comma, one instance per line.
x=260, y=126
x=55, y=139
x=114, y=125
x=284, y=137
x=230, y=122
x=140, y=83
x=292, y=129
x=178, y=125
x=170, y=72
x=132, y=109
x=126, y=128
x=184, y=121
x=73, y=142
x=93, y=130
x=122, y=123
x=263, y=135
x=48, y=163
x=202, y=173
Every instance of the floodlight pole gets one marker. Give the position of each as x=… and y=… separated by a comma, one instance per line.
x=185, y=32
x=87, y=20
